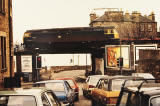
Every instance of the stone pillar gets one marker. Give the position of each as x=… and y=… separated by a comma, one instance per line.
x=93, y=63
x=99, y=65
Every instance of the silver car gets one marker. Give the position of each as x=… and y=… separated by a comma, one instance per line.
x=28, y=97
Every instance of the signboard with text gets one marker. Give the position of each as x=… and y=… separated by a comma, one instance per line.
x=26, y=63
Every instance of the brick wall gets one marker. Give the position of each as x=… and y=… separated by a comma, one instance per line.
x=4, y=31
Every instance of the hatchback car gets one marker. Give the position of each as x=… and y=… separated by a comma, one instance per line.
x=107, y=89
x=90, y=83
x=62, y=90
x=141, y=95
x=28, y=97
x=73, y=85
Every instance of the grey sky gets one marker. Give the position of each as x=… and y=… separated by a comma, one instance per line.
x=37, y=14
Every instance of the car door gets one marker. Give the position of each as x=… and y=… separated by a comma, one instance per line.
x=45, y=100
x=52, y=98
x=70, y=91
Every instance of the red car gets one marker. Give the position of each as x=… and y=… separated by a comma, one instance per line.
x=73, y=85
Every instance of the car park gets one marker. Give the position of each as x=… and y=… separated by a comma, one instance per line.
x=73, y=85
x=28, y=97
x=108, y=89
x=90, y=83
x=144, y=94
x=62, y=90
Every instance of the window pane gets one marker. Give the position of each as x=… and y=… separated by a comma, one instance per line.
x=53, y=100
x=123, y=99
x=1, y=6
x=71, y=83
x=3, y=53
x=45, y=101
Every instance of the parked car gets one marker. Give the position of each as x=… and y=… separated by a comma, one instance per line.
x=144, y=75
x=28, y=97
x=90, y=83
x=73, y=85
x=141, y=95
x=107, y=89
x=62, y=90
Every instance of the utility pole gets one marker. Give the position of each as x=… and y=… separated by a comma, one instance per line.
x=78, y=59
x=120, y=55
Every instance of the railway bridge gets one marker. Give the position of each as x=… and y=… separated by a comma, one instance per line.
x=72, y=40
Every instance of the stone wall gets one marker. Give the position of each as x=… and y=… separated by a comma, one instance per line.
x=149, y=61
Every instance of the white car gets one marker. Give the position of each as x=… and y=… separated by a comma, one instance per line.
x=144, y=75
x=28, y=97
x=91, y=83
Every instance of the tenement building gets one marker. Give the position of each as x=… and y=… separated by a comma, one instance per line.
x=6, y=41
x=128, y=25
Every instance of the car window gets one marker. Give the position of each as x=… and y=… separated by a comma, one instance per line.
x=124, y=99
x=102, y=84
x=17, y=101
x=99, y=84
x=93, y=81
x=53, y=100
x=135, y=100
x=71, y=83
x=68, y=86
x=56, y=86
x=45, y=100
x=155, y=101
x=117, y=84
x=87, y=79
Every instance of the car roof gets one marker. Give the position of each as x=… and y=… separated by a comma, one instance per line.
x=65, y=78
x=147, y=89
x=97, y=75
x=50, y=81
x=123, y=77
x=21, y=91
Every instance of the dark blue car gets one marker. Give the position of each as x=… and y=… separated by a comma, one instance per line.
x=62, y=90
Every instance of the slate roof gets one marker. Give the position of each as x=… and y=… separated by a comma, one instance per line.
x=107, y=18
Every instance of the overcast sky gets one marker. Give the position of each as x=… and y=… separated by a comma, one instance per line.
x=38, y=14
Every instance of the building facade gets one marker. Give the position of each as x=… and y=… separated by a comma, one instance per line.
x=128, y=25
x=6, y=41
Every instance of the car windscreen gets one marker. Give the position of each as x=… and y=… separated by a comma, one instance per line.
x=55, y=86
x=155, y=101
x=17, y=101
x=117, y=84
x=71, y=83
x=93, y=81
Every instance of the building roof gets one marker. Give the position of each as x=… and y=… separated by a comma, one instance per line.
x=119, y=17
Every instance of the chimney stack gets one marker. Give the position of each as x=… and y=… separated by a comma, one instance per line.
x=127, y=16
x=152, y=16
x=93, y=16
x=136, y=16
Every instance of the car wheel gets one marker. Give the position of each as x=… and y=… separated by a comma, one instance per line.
x=73, y=104
x=84, y=94
x=77, y=98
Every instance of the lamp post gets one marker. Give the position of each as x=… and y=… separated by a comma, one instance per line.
x=37, y=69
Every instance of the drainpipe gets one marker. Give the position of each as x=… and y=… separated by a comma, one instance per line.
x=10, y=37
